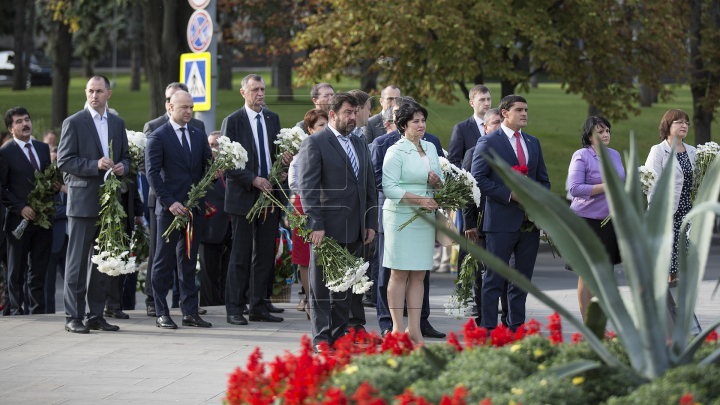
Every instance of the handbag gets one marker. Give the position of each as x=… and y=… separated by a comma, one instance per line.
x=445, y=223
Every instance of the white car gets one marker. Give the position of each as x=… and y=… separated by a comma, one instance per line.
x=38, y=75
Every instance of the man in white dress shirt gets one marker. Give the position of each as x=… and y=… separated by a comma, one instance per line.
x=465, y=134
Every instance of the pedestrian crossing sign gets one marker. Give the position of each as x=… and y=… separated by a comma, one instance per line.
x=195, y=69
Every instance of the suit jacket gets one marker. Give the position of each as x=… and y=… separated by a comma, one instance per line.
x=464, y=136
x=502, y=214
x=168, y=172
x=17, y=177
x=78, y=154
x=333, y=198
x=240, y=194
x=217, y=225
x=657, y=160
x=472, y=211
x=150, y=127
x=374, y=128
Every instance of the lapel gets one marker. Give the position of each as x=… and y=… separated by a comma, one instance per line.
x=196, y=145
x=247, y=130
x=91, y=126
x=44, y=159
x=114, y=138
x=341, y=151
x=175, y=141
x=667, y=149
x=23, y=157
x=270, y=136
x=474, y=129
x=509, y=151
x=530, y=148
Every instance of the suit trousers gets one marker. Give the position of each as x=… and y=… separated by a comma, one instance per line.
x=114, y=292
x=383, y=308
x=214, y=263
x=524, y=245
x=375, y=270
x=329, y=311
x=82, y=278
x=149, y=296
x=171, y=255
x=56, y=264
x=251, y=262
x=357, y=310
x=36, y=242
x=478, y=284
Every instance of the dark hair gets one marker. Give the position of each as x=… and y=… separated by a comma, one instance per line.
x=361, y=97
x=508, y=101
x=312, y=116
x=667, y=120
x=338, y=99
x=103, y=78
x=12, y=112
x=590, y=124
x=402, y=100
x=405, y=113
x=315, y=91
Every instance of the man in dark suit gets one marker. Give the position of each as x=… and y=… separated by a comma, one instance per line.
x=465, y=134
x=253, y=247
x=19, y=160
x=339, y=197
x=378, y=149
x=84, y=157
x=320, y=94
x=176, y=157
x=503, y=218
x=375, y=126
x=216, y=242
x=148, y=129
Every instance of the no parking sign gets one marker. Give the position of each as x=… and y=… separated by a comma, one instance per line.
x=199, y=31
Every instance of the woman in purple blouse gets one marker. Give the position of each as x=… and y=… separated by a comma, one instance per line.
x=588, y=192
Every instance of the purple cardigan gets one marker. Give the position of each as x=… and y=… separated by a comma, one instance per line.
x=584, y=172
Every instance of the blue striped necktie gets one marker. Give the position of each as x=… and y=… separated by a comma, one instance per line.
x=351, y=155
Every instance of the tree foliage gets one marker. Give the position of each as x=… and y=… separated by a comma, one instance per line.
x=704, y=40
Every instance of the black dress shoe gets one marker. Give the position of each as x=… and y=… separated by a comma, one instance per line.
x=265, y=317
x=76, y=327
x=474, y=311
x=151, y=311
x=272, y=308
x=236, y=320
x=245, y=310
x=202, y=311
x=367, y=302
x=100, y=324
x=116, y=313
x=165, y=322
x=195, y=320
x=430, y=332
x=385, y=332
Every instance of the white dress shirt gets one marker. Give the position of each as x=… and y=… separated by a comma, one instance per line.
x=342, y=143
x=101, y=124
x=481, y=124
x=511, y=137
x=178, y=133
x=253, y=124
x=21, y=144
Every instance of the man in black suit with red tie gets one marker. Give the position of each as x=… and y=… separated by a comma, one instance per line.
x=253, y=248
x=19, y=160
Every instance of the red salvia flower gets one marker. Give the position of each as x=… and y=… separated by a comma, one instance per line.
x=712, y=337
x=533, y=327
x=520, y=333
x=501, y=336
x=458, y=397
x=408, y=398
x=486, y=401
x=687, y=399
x=366, y=394
x=521, y=169
x=474, y=336
x=610, y=335
x=576, y=338
x=453, y=341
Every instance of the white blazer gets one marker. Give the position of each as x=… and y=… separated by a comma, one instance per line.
x=658, y=158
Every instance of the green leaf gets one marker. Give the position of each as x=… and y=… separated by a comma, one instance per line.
x=595, y=318
x=438, y=363
x=711, y=359
x=572, y=368
x=687, y=355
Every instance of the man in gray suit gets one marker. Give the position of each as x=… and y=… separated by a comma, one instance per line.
x=320, y=94
x=84, y=156
x=375, y=126
x=148, y=129
x=337, y=187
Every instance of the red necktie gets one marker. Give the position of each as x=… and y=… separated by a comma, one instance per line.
x=520, y=151
x=33, y=162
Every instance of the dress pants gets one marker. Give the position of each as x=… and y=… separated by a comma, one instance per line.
x=82, y=278
x=37, y=243
x=251, y=262
x=329, y=311
x=375, y=270
x=524, y=245
x=478, y=284
x=149, y=296
x=114, y=292
x=214, y=263
x=128, y=292
x=56, y=264
x=357, y=310
x=171, y=255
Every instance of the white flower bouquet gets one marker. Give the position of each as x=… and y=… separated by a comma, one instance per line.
x=459, y=305
x=704, y=156
x=137, y=142
x=231, y=156
x=288, y=140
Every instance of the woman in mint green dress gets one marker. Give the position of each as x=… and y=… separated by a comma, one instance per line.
x=411, y=171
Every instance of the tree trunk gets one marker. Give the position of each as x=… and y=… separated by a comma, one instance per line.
x=593, y=110
x=60, y=41
x=646, y=96
x=702, y=117
x=88, y=70
x=507, y=88
x=29, y=37
x=464, y=89
x=225, y=76
x=368, y=81
x=284, y=82
x=19, y=74
x=533, y=78
x=135, y=47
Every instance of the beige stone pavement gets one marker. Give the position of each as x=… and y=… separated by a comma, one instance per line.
x=40, y=363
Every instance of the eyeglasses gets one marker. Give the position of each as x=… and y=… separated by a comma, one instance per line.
x=682, y=123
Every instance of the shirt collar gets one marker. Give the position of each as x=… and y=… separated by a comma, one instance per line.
x=22, y=143
x=508, y=132
x=177, y=126
x=334, y=131
x=95, y=114
x=478, y=120
x=252, y=113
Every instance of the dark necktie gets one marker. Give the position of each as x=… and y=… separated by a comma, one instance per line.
x=185, y=145
x=33, y=162
x=261, y=142
x=520, y=151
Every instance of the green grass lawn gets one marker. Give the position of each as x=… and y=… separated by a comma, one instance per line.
x=555, y=118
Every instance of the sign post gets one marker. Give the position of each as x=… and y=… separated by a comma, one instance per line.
x=198, y=70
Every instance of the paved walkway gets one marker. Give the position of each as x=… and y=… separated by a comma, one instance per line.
x=40, y=363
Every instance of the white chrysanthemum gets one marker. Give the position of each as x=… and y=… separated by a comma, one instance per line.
x=445, y=166
x=362, y=286
x=289, y=139
x=648, y=178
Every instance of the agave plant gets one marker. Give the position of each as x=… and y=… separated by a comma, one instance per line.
x=644, y=237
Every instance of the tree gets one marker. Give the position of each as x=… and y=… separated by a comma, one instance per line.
x=704, y=65
x=20, y=76
x=93, y=38
x=135, y=30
